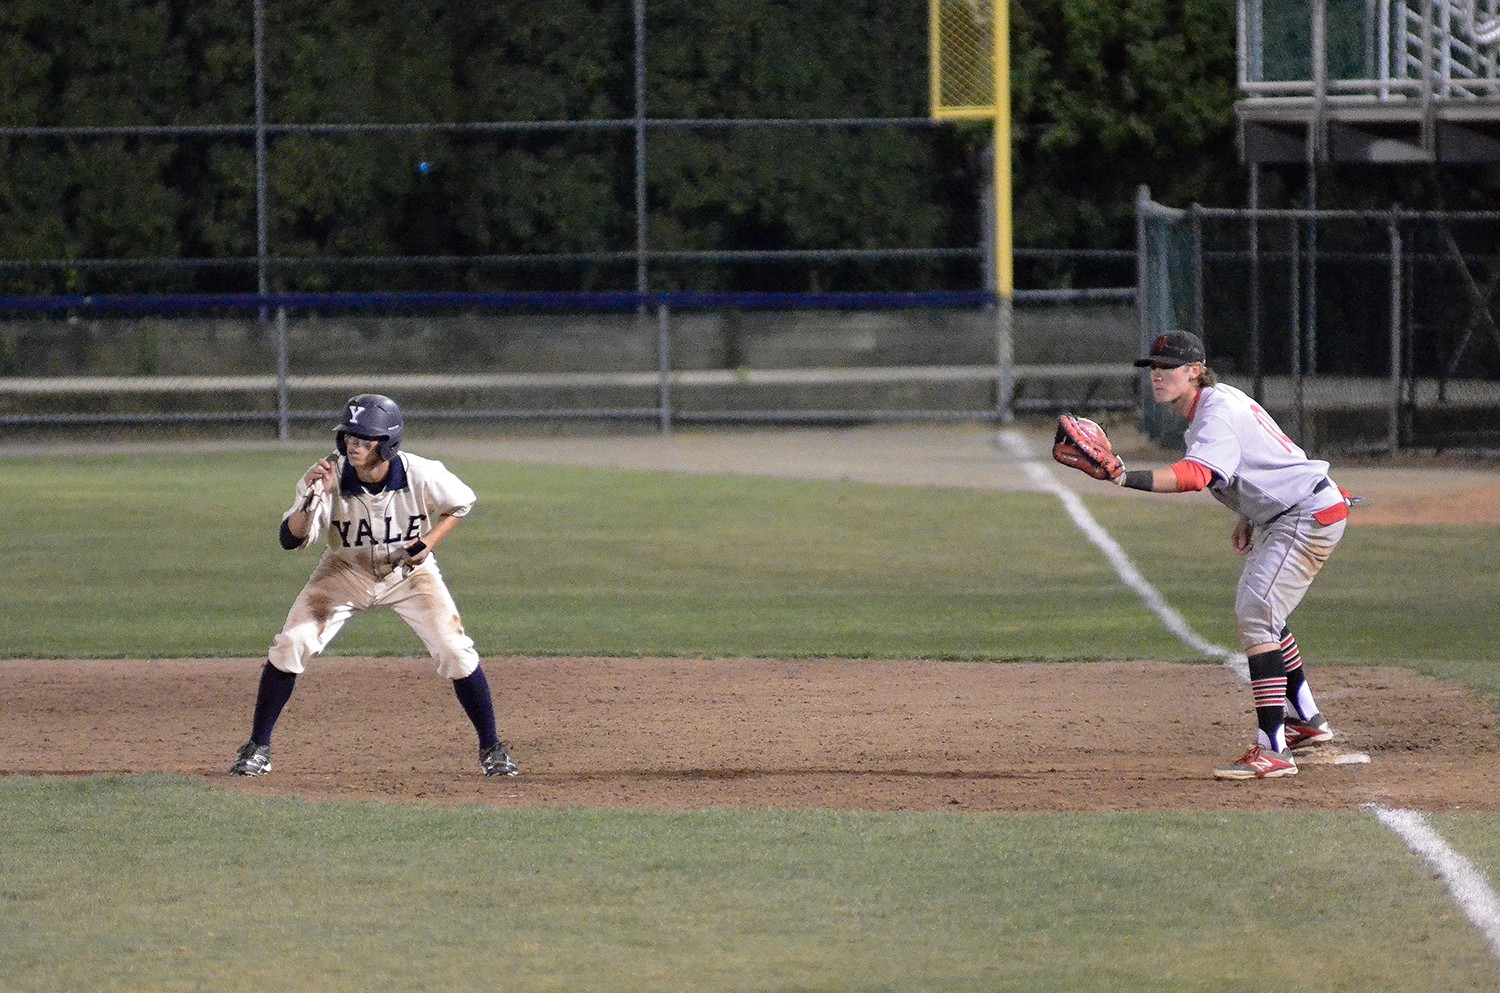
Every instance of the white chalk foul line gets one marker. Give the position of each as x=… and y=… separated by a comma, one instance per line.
x=1470, y=890
x=1042, y=477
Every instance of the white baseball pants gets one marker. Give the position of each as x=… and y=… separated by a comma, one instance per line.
x=1287, y=554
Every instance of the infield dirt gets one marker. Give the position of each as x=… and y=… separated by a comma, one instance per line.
x=691, y=734
x=831, y=734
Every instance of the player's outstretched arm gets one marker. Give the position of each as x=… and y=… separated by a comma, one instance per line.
x=1180, y=477
x=1143, y=479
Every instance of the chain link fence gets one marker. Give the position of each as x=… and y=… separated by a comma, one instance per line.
x=1360, y=331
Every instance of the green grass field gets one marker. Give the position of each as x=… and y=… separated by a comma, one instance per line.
x=112, y=883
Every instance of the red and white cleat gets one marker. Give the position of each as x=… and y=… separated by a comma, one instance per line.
x=1301, y=734
x=1259, y=763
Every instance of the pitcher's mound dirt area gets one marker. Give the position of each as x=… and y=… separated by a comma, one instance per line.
x=692, y=734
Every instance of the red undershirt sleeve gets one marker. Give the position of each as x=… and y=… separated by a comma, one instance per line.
x=1191, y=475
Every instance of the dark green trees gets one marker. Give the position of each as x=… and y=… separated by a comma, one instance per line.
x=1107, y=94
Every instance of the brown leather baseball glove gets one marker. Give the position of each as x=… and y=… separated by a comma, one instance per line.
x=1083, y=445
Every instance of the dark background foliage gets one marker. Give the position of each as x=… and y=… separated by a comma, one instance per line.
x=1108, y=95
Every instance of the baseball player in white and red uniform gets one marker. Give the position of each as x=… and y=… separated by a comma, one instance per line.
x=1291, y=516
x=383, y=512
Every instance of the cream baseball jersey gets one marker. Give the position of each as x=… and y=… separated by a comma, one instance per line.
x=369, y=528
x=1257, y=470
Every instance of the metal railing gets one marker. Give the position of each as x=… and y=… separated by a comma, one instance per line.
x=1405, y=50
x=999, y=377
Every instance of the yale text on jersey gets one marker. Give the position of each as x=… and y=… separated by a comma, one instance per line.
x=364, y=534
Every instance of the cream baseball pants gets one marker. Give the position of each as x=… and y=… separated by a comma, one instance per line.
x=339, y=589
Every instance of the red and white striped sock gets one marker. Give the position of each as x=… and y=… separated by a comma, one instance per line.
x=1268, y=684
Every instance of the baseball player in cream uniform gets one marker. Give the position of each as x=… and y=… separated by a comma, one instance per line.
x=1291, y=517
x=382, y=512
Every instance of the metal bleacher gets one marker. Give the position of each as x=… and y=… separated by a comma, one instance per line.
x=1387, y=81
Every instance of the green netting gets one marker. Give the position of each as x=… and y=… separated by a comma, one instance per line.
x=1170, y=301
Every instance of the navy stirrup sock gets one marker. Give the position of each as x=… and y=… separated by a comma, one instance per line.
x=1298, y=694
x=275, y=690
x=473, y=694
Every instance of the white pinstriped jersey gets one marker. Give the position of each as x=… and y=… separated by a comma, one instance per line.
x=366, y=528
x=1257, y=470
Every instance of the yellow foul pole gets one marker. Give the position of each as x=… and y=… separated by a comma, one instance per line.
x=969, y=48
x=1004, y=263
x=1004, y=270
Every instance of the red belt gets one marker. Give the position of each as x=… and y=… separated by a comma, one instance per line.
x=1336, y=513
x=1332, y=515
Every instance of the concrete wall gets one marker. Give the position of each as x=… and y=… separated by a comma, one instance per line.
x=551, y=343
x=370, y=348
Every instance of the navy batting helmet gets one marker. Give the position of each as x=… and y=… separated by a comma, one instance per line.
x=375, y=418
